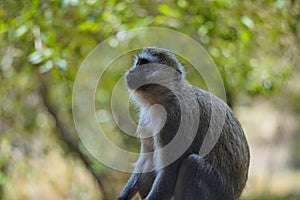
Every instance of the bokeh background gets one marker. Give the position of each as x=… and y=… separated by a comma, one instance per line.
x=255, y=45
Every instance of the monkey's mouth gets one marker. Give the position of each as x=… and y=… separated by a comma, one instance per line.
x=145, y=87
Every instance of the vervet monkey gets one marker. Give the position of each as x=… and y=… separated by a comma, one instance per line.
x=167, y=101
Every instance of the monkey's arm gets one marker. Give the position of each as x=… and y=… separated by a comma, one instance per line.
x=130, y=188
x=138, y=182
x=142, y=180
x=164, y=183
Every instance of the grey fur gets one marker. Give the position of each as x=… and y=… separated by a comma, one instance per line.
x=157, y=77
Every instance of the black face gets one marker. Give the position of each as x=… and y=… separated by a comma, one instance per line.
x=153, y=67
x=136, y=77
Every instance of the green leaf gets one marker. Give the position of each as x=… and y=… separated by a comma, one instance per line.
x=245, y=36
x=61, y=64
x=46, y=67
x=247, y=21
x=168, y=11
x=35, y=57
x=21, y=30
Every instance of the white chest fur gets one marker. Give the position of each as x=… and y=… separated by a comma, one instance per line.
x=152, y=120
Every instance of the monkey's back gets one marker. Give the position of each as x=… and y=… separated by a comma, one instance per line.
x=230, y=154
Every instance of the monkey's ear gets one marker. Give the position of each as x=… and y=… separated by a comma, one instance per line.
x=179, y=70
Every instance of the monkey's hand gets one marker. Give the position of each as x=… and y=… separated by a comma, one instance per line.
x=127, y=194
x=164, y=183
x=130, y=189
x=124, y=198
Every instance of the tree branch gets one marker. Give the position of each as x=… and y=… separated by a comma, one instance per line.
x=72, y=143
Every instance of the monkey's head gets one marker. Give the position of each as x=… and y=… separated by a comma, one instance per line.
x=155, y=73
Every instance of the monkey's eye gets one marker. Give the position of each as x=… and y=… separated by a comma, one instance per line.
x=142, y=61
x=179, y=70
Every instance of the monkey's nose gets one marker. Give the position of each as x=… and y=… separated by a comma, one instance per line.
x=134, y=80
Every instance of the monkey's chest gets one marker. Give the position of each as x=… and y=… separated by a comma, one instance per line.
x=152, y=121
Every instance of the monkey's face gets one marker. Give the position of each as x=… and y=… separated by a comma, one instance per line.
x=155, y=74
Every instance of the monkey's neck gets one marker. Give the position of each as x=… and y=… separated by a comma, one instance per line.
x=162, y=95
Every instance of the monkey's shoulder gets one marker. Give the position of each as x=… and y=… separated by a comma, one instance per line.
x=210, y=105
x=208, y=99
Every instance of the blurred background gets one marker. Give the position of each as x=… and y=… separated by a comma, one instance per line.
x=255, y=45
